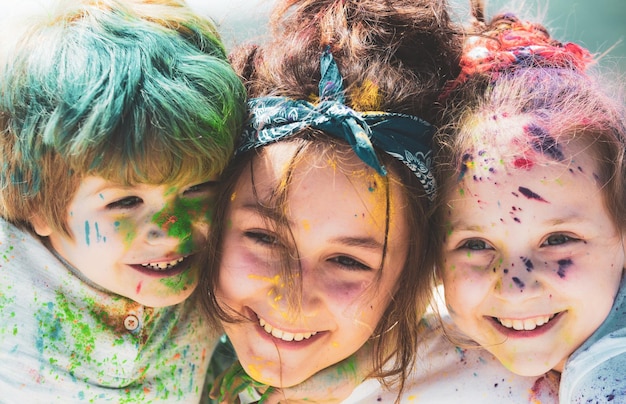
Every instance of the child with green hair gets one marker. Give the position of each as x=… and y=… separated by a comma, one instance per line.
x=116, y=120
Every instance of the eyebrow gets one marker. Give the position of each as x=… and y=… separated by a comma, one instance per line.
x=463, y=224
x=271, y=213
x=363, y=242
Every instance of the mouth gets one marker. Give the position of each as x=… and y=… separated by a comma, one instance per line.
x=527, y=324
x=164, y=268
x=285, y=335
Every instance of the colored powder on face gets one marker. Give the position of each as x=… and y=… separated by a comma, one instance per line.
x=98, y=235
x=563, y=265
x=87, y=232
x=530, y=194
x=306, y=225
x=518, y=282
x=528, y=263
x=177, y=219
x=466, y=163
x=179, y=282
x=544, y=143
x=127, y=229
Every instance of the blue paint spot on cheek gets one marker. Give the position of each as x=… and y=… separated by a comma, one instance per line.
x=563, y=265
x=87, y=230
x=99, y=237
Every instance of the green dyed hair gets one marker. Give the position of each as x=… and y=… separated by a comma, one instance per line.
x=132, y=91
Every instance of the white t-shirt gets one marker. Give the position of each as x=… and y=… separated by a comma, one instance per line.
x=447, y=373
x=63, y=340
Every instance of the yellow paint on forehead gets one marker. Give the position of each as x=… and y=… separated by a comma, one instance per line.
x=377, y=198
x=233, y=196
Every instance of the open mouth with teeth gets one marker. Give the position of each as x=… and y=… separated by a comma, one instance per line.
x=167, y=268
x=285, y=335
x=527, y=324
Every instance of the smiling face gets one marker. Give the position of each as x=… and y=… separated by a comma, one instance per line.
x=141, y=242
x=533, y=260
x=337, y=226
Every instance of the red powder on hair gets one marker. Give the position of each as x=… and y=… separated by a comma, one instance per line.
x=523, y=163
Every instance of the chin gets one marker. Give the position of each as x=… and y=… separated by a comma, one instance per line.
x=529, y=368
x=274, y=379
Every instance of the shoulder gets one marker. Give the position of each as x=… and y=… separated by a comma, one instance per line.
x=595, y=372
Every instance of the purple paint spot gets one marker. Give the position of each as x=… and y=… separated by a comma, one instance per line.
x=528, y=263
x=518, y=282
x=563, y=265
x=506, y=271
x=544, y=143
x=530, y=194
x=517, y=220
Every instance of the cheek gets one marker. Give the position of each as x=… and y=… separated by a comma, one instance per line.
x=361, y=303
x=464, y=288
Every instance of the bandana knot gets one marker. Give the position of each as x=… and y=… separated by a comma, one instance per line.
x=406, y=137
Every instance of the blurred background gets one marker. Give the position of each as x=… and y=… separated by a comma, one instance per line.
x=599, y=25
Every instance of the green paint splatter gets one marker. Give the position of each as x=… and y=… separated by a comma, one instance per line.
x=180, y=282
x=177, y=218
x=127, y=228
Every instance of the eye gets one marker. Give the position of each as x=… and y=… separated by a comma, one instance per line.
x=558, y=239
x=261, y=237
x=476, y=245
x=350, y=263
x=202, y=188
x=128, y=202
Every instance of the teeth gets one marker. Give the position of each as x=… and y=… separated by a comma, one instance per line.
x=161, y=266
x=526, y=324
x=284, y=335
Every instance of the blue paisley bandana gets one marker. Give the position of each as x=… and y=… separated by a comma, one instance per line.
x=405, y=137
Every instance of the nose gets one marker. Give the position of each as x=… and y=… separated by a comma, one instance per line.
x=296, y=295
x=166, y=228
x=516, y=278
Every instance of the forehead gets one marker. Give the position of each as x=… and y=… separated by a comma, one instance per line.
x=516, y=185
x=322, y=185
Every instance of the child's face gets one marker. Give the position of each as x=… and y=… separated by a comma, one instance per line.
x=533, y=260
x=338, y=227
x=141, y=242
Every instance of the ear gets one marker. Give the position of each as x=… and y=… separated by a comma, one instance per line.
x=40, y=225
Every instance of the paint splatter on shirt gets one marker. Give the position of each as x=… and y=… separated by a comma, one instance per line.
x=446, y=373
x=596, y=372
x=64, y=340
